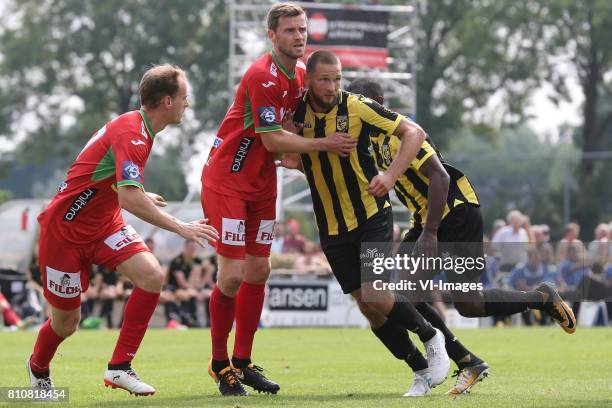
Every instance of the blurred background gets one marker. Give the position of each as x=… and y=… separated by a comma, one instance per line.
x=517, y=94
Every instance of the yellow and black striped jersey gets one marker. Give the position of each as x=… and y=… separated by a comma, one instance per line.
x=412, y=187
x=338, y=184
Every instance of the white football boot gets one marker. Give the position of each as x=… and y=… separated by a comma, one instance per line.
x=127, y=380
x=42, y=384
x=437, y=358
x=421, y=384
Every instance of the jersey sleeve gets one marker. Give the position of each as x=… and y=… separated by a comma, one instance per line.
x=425, y=152
x=374, y=114
x=131, y=152
x=265, y=98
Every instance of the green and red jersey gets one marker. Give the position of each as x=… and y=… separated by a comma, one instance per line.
x=86, y=204
x=238, y=164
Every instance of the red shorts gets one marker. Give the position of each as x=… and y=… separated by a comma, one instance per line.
x=245, y=227
x=65, y=267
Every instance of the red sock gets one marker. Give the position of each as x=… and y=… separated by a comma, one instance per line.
x=10, y=317
x=45, y=347
x=221, y=320
x=138, y=311
x=249, y=304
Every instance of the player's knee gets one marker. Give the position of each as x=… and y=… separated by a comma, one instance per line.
x=229, y=285
x=151, y=279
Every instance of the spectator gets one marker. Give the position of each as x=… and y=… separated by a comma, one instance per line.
x=203, y=280
x=526, y=225
x=277, y=242
x=509, y=242
x=599, y=248
x=312, y=261
x=542, y=233
x=497, y=225
x=570, y=236
x=527, y=276
x=181, y=268
x=106, y=282
x=294, y=242
x=574, y=268
x=10, y=317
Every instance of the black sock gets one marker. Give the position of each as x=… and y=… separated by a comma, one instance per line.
x=395, y=339
x=218, y=365
x=40, y=374
x=405, y=315
x=501, y=302
x=416, y=361
x=121, y=366
x=456, y=351
x=240, y=362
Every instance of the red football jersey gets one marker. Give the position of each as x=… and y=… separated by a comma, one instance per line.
x=86, y=204
x=238, y=164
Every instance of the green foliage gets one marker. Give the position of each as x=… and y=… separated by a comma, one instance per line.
x=5, y=196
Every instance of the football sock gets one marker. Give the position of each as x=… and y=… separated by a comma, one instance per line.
x=456, y=351
x=416, y=361
x=218, y=365
x=138, y=311
x=501, y=302
x=405, y=315
x=240, y=362
x=249, y=303
x=45, y=348
x=395, y=339
x=221, y=320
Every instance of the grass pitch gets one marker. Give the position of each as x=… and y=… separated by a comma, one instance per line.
x=531, y=367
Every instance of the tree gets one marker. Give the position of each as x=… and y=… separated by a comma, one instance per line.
x=68, y=66
x=579, y=33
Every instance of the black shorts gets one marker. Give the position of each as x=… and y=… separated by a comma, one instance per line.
x=460, y=234
x=343, y=251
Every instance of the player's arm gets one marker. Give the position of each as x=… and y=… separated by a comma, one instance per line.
x=411, y=138
x=281, y=141
x=136, y=201
x=437, y=193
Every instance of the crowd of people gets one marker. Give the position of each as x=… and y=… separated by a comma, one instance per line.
x=519, y=256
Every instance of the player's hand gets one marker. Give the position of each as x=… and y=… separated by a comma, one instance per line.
x=427, y=244
x=380, y=185
x=157, y=199
x=340, y=143
x=289, y=125
x=199, y=231
x=290, y=161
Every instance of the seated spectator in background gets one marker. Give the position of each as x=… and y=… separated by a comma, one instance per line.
x=570, y=236
x=179, y=271
x=35, y=285
x=489, y=279
x=599, y=249
x=509, y=242
x=312, y=261
x=574, y=268
x=527, y=276
x=294, y=242
x=88, y=300
x=203, y=280
x=526, y=225
x=279, y=238
x=497, y=225
x=106, y=282
x=10, y=317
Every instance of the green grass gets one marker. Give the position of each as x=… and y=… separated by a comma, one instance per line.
x=538, y=367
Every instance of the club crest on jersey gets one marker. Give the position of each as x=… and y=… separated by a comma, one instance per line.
x=386, y=154
x=268, y=84
x=342, y=123
x=130, y=171
x=62, y=187
x=273, y=70
x=267, y=116
x=217, y=142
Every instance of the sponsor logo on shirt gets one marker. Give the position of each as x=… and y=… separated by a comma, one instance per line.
x=138, y=142
x=241, y=153
x=63, y=284
x=268, y=84
x=273, y=70
x=265, y=234
x=122, y=238
x=233, y=231
x=130, y=171
x=79, y=203
x=267, y=116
